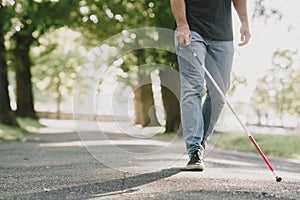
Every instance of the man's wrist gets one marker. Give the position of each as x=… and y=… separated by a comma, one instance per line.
x=245, y=23
x=182, y=26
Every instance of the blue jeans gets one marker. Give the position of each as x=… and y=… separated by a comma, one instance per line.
x=198, y=121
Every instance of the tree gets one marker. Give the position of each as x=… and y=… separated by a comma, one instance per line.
x=118, y=16
x=55, y=62
x=165, y=19
x=159, y=16
x=278, y=89
x=262, y=97
x=171, y=98
x=295, y=98
x=31, y=20
x=144, y=100
x=170, y=87
x=143, y=95
x=6, y=114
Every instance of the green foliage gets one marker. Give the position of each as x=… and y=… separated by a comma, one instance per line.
x=28, y=124
x=262, y=95
x=5, y=15
x=279, y=88
x=8, y=133
x=103, y=19
x=56, y=61
x=236, y=81
x=30, y=19
x=27, y=21
x=263, y=9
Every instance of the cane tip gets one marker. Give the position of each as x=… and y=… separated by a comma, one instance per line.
x=278, y=179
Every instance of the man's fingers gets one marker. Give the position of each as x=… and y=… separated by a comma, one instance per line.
x=187, y=39
x=245, y=37
x=183, y=39
x=243, y=43
x=179, y=38
x=245, y=34
x=242, y=37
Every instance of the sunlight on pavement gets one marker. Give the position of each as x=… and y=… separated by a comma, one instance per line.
x=105, y=142
x=238, y=173
x=64, y=126
x=229, y=162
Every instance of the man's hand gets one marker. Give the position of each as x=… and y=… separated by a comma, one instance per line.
x=241, y=8
x=184, y=36
x=245, y=34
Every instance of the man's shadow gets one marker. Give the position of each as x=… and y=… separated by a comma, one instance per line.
x=103, y=189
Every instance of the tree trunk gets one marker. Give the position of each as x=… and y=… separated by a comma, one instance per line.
x=25, y=106
x=259, y=115
x=6, y=115
x=170, y=89
x=145, y=112
x=144, y=106
x=58, y=99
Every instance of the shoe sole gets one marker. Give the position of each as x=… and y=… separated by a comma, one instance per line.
x=195, y=167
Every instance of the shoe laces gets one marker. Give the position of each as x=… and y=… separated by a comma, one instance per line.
x=196, y=155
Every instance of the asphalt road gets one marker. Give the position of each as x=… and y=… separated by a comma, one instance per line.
x=54, y=164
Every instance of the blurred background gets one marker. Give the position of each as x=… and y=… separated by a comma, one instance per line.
x=44, y=44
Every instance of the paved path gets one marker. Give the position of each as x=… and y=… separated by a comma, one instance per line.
x=54, y=165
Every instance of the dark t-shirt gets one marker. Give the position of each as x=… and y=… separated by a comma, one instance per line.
x=210, y=18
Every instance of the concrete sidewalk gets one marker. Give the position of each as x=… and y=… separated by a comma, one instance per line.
x=55, y=164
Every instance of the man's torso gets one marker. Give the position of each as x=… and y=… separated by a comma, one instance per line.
x=210, y=18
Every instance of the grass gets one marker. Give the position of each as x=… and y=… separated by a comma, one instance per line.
x=28, y=124
x=285, y=145
x=8, y=133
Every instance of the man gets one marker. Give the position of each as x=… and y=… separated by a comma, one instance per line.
x=205, y=28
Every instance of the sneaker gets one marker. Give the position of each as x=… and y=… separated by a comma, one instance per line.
x=196, y=161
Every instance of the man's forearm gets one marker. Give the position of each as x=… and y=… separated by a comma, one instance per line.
x=184, y=34
x=241, y=8
x=179, y=13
